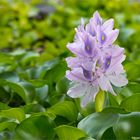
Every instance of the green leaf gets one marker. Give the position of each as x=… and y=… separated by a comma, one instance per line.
x=6, y=58
x=9, y=125
x=35, y=128
x=99, y=101
x=86, y=138
x=33, y=108
x=113, y=110
x=4, y=97
x=134, y=87
x=29, y=56
x=132, y=70
x=131, y=89
x=9, y=76
x=112, y=100
x=62, y=85
x=48, y=66
x=127, y=126
x=38, y=73
x=97, y=123
x=108, y=135
x=13, y=113
x=65, y=132
x=25, y=90
x=131, y=103
x=56, y=73
x=4, y=106
x=66, y=109
x=42, y=93
x=38, y=82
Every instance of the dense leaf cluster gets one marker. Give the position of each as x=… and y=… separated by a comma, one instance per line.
x=33, y=87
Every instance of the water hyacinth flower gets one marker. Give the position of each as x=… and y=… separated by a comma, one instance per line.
x=97, y=64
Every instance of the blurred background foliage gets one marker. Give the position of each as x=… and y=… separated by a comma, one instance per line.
x=46, y=26
x=33, y=38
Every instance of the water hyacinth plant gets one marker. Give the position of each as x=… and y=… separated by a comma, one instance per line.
x=97, y=64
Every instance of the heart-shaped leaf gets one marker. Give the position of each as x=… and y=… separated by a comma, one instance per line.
x=66, y=109
x=96, y=123
x=65, y=132
x=35, y=128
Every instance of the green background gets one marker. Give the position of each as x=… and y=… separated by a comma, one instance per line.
x=33, y=100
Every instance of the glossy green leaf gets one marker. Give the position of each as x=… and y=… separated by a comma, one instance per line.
x=29, y=56
x=13, y=113
x=9, y=76
x=42, y=93
x=111, y=100
x=66, y=109
x=131, y=103
x=65, y=132
x=7, y=125
x=96, y=123
x=127, y=126
x=23, y=89
x=62, y=86
x=35, y=128
x=33, y=38
x=131, y=89
x=48, y=66
x=56, y=73
x=38, y=82
x=33, y=108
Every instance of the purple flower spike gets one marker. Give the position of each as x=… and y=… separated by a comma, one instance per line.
x=102, y=38
x=87, y=74
x=107, y=62
x=97, y=18
x=108, y=25
x=97, y=64
x=90, y=29
x=88, y=45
